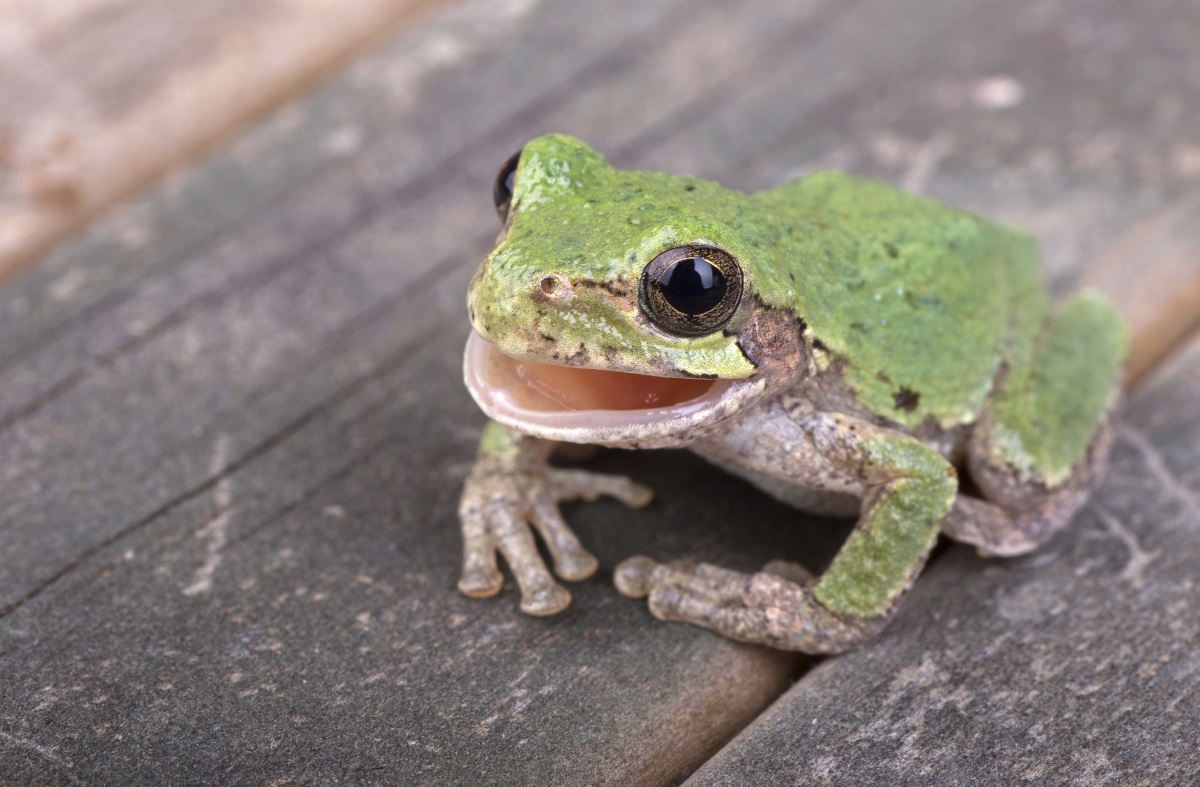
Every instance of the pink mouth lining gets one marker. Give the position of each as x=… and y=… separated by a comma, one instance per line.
x=573, y=404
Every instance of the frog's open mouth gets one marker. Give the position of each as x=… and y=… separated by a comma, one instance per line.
x=594, y=405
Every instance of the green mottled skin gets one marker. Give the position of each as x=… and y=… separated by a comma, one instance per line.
x=876, y=560
x=1044, y=415
x=911, y=294
x=915, y=318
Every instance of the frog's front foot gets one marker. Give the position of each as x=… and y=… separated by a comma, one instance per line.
x=499, y=505
x=766, y=607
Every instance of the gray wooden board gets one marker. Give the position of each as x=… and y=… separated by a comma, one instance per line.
x=260, y=362
x=1076, y=665
x=332, y=644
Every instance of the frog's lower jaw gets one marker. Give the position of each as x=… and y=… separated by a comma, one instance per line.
x=596, y=405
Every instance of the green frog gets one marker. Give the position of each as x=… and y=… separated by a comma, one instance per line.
x=849, y=348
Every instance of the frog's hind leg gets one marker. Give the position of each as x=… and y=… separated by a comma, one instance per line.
x=1015, y=529
x=1044, y=437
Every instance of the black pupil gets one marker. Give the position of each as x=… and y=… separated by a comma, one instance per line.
x=692, y=285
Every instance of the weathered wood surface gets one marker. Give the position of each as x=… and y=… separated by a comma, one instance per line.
x=100, y=97
x=232, y=430
x=1077, y=665
x=283, y=392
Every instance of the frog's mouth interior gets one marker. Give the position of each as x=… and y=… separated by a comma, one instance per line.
x=548, y=398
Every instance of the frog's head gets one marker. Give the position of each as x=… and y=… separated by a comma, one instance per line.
x=621, y=307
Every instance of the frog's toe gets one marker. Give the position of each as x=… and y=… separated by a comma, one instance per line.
x=576, y=484
x=480, y=576
x=636, y=495
x=548, y=600
x=685, y=590
x=576, y=567
x=632, y=576
x=571, y=561
x=480, y=582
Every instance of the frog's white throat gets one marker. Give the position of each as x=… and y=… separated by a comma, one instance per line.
x=598, y=406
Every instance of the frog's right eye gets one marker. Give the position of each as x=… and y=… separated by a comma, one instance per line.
x=691, y=290
x=502, y=190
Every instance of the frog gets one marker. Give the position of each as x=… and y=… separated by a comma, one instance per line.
x=845, y=346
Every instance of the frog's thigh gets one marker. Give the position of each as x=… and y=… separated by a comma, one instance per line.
x=909, y=488
x=1044, y=440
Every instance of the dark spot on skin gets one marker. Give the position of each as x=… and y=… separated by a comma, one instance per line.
x=906, y=399
x=858, y=326
x=792, y=276
x=891, y=250
x=612, y=288
x=690, y=187
x=923, y=301
x=883, y=378
x=1001, y=377
x=548, y=338
x=819, y=345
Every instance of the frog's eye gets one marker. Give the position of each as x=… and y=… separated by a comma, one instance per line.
x=502, y=189
x=691, y=290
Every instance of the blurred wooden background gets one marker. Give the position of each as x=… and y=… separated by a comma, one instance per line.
x=98, y=98
x=235, y=239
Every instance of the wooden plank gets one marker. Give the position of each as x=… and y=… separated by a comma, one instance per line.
x=1160, y=294
x=272, y=380
x=101, y=97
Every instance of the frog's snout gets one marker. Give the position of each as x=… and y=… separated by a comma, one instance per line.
x=553, y=288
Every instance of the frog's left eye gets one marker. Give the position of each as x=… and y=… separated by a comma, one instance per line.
x=691, y=290
x=502, y=189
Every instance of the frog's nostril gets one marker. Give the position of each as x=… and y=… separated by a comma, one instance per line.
x=554, y=286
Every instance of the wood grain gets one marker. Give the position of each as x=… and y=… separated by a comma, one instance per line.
x=101, y=97
x=232, y=429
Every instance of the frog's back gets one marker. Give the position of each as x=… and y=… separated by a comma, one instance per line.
x=920, y=301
